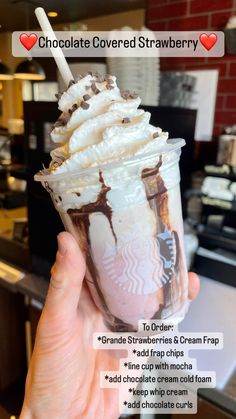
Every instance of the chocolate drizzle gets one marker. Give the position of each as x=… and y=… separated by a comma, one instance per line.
x=153, y=171
x=48, y=187
x=157, y=196
x=155, y=189
x=80, y=219
x=100, y=205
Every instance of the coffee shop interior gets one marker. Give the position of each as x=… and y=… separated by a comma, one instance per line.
x=191, y=98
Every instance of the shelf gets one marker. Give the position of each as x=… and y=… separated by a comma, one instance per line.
x=18, y=171
x=15, y=252
x=212, y=240
x=219, y=203
x=224, y=170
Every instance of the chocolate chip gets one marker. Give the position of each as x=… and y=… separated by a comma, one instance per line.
x=84, y=105
x=125, y=120
x=155, y=134
x=110, y=83
x=60, y=198
x=133, y=95
x=62, y=120
x=71, y=82
x=94, y=88
x=58, y=123
x=58, y=95
x=99, y=77
x=125, y=94
x=66, y=118
x=74, y=107
x=55, y=164
x=87, y=73
x=87, y=87
x=86, y=97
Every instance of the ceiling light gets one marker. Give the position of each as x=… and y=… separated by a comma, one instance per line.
x=29, y=70
x=5, y=72
x=52, y=14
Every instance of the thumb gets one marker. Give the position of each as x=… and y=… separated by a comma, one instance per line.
x=193, y=285
x=67, y=276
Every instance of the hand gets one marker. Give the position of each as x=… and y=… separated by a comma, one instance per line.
x=63, y=380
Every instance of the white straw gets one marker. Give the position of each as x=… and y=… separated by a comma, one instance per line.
x=57, y=53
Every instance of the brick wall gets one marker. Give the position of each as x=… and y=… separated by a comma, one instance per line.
x=205, y=15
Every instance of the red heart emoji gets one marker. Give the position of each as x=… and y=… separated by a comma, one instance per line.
x=208, y=41
x=28, y=41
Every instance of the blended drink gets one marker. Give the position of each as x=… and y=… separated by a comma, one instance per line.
x=114, y=180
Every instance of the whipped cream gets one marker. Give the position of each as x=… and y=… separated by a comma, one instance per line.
x=100, y=124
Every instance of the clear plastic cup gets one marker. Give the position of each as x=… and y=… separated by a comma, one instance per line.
x=127, y=219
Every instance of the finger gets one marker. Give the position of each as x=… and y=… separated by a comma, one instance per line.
x=67, y=277
x=193, y=285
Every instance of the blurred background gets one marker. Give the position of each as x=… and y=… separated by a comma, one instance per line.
x=192, y=98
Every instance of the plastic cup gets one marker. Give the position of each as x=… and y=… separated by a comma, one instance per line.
x=127, y=219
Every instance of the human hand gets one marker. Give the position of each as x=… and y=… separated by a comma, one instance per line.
x=63, y=380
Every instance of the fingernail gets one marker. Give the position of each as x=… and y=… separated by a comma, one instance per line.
x=61, y=246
